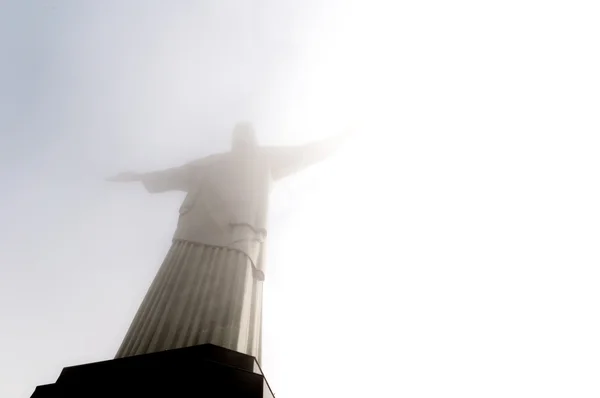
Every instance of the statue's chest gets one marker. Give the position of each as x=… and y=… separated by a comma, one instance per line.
x=239, y=178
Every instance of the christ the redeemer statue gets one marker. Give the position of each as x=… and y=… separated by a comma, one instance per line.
x=209, y=287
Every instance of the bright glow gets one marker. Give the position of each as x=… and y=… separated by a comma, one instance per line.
x=452, y=250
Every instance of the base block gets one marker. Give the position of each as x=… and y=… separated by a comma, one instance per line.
x=200, y=371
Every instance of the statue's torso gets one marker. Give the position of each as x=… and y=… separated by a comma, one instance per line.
x=227, y=202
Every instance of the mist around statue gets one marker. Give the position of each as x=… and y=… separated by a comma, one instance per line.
x=448, y=249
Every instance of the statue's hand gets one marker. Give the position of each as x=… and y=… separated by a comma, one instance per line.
x=125, y=177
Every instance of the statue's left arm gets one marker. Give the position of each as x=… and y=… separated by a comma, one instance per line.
x=286, y=161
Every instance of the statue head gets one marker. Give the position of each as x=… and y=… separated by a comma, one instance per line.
x=243, y=137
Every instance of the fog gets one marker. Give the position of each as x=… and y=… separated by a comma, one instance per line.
x=451, y=249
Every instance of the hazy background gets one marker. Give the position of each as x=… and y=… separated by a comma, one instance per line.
x=450, y=250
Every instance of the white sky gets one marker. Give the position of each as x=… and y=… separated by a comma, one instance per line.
x=450, y=250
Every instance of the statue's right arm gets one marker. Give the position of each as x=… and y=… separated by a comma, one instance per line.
x=173, y=179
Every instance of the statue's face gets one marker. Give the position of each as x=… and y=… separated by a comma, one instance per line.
x=244, y=137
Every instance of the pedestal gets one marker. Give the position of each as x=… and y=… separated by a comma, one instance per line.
x=201, y=371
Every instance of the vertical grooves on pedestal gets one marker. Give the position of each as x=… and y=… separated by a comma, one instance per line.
x=170, y=301
x=140, y=319
x=145, y=328
x=207, y=263
x=236, y=295
x=197, y=297
x=180, y=323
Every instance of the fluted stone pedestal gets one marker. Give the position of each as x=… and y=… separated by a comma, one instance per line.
x=200, y=371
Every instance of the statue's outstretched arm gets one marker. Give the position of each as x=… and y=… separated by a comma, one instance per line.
x=289, y=160
x=173, y=179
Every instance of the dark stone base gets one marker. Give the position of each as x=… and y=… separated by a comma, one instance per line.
x=201, y=371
